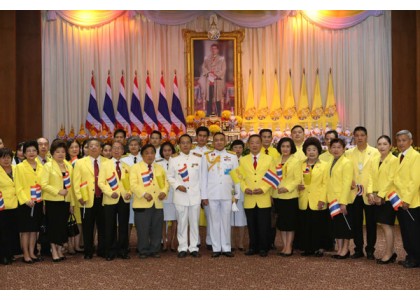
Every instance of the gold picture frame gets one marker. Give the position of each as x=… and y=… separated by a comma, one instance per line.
x=197, y=44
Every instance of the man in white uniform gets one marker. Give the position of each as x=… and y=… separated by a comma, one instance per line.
x=184, y=176
x=217, y=187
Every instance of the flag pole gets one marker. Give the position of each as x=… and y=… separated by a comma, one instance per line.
x=411, y=216
x=348, y=225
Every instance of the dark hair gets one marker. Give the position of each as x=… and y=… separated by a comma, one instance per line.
x=69, y=143
x=95, y=140
x=119, y=130
x=360, y=128
x=147, y=146
x=28, y=144
x=339, y=141
x=156, y=132
x=85, y=142
x=20, y=145
x=285, y=140
x=312, y=141
x=164, y=145
x=215, y=45
x=202, y=128
x=253, y=136
x=298, y=126
x=265, y=130
x=332, y=132
x=219, y=133
x=384, y=136
x=116, y=142
x=237, y=143
x=6, y=152
x=185, y=135
x=58, y=144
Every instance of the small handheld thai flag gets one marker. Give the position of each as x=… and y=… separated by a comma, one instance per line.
x=2, y=206
x=395, y=200
x=112, y=181
x=334, y=208
x=307, y=170
x=184, y=173
x=272, y=179
x=73, y=161
x=147, y=178
x=66, y=180
x=360, y=189
x=36, y=193
x=279, y=171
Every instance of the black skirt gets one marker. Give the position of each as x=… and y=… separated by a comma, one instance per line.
x=385, y=214
x=28, y=222
x=287, y=213
x=315, y=230
x=57, y=214
x=341, y=229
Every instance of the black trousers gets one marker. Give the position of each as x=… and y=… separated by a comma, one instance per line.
x=259, y=228
x=94, y=215
x=357, y=214
x=410, y=232
x=116, y=215
x=149, y=229
x=9, y=233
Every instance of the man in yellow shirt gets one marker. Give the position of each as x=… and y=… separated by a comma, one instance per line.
x=327, y=156
x=298, y=137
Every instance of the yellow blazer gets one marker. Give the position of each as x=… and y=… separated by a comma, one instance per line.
x=272, y=152
x=407, y=178
x=315, y=186
x=159, y=184
x=300, y=155
x=362, y=177
x=252, y=179
x=106, y=171
x=292, y=176
x=339, y=182
x=83, y=172
x=326, y=157
x=381, y=179
x=51, y=181
x=25, y=178
x=8, y=189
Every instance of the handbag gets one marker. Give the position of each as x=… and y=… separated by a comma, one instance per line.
x=72, y=228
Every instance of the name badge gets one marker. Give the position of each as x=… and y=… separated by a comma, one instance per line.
x=194, y=165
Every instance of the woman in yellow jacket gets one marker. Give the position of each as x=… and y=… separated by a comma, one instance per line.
x=28, y=191
x=380, y=185
x=9, y=234
x=285, y=197
x=55, y=180
x=340, y=173
x=314, y=221
x=149, y=184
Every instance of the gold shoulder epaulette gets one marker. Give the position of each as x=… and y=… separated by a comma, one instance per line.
x=159, y=160
x=231, y=152
x=197, y=154
x=175, y=155
x=208, y=152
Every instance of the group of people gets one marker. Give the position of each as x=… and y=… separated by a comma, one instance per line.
x=318, y=201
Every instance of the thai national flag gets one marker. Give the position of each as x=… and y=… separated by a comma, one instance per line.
x=272, y=179
x=184, y=173
x=279, y=171
x=73, y=161
x=177, y=116
x=147, y=178
x=150, y=119
x=36, y=193
x=93, y=120
x=163, y=116
x=108, y=116
x=307, y=170
x=66, y=180
x=395, y=200
x=136, y=116
x=123, y=118
x=83, y=185
x=2, y=206
x=360, y=189
x=112, y=181
x=334, y=208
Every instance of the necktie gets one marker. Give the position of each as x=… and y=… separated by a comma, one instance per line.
x=150, y=171
x=266, y=151
x=135, y=159
x=401, y=158
x=332, y=165
x=255, y=162
x=96, y=172
x=118, y=169
x=44, y=161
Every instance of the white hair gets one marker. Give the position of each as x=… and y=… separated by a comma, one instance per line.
x=405, y=132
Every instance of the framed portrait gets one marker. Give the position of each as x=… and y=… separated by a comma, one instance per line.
x=214, y=75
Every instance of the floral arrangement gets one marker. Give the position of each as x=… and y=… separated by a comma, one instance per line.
x=215, y=128
x=226, y=115
x=275, y=114
x=250, y=113
x=200, y=114
x=262, y=113
x=190, y=119
x=330, y=111
x=317, y=113
x=288, y=113
x=239, y=120
x=303, y=114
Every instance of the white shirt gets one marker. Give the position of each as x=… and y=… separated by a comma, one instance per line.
x=129, y=159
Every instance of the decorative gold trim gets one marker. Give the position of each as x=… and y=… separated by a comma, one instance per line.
x=189, y=38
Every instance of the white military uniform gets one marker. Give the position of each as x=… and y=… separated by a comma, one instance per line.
x=203, y=150
x=129, y=160
x=217, y=186
x=169, y=212
x=187, y=204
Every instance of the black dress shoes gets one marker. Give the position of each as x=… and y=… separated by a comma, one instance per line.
x=319, y=253
x=124, y=256
x=357, y=255
x=250, y=252
x=142, y=255
x=307, y=253
x=263, y=253
x=215, y=254
x=370, y=256
x=182, y=254
x=110, y=257
x=155, y=255
x=228, y=254
x=341, y=256
x=88, y=256
x=6, y=261
x=411, y=264
x=385, y=262
x=209, y=247
x=195, y=254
